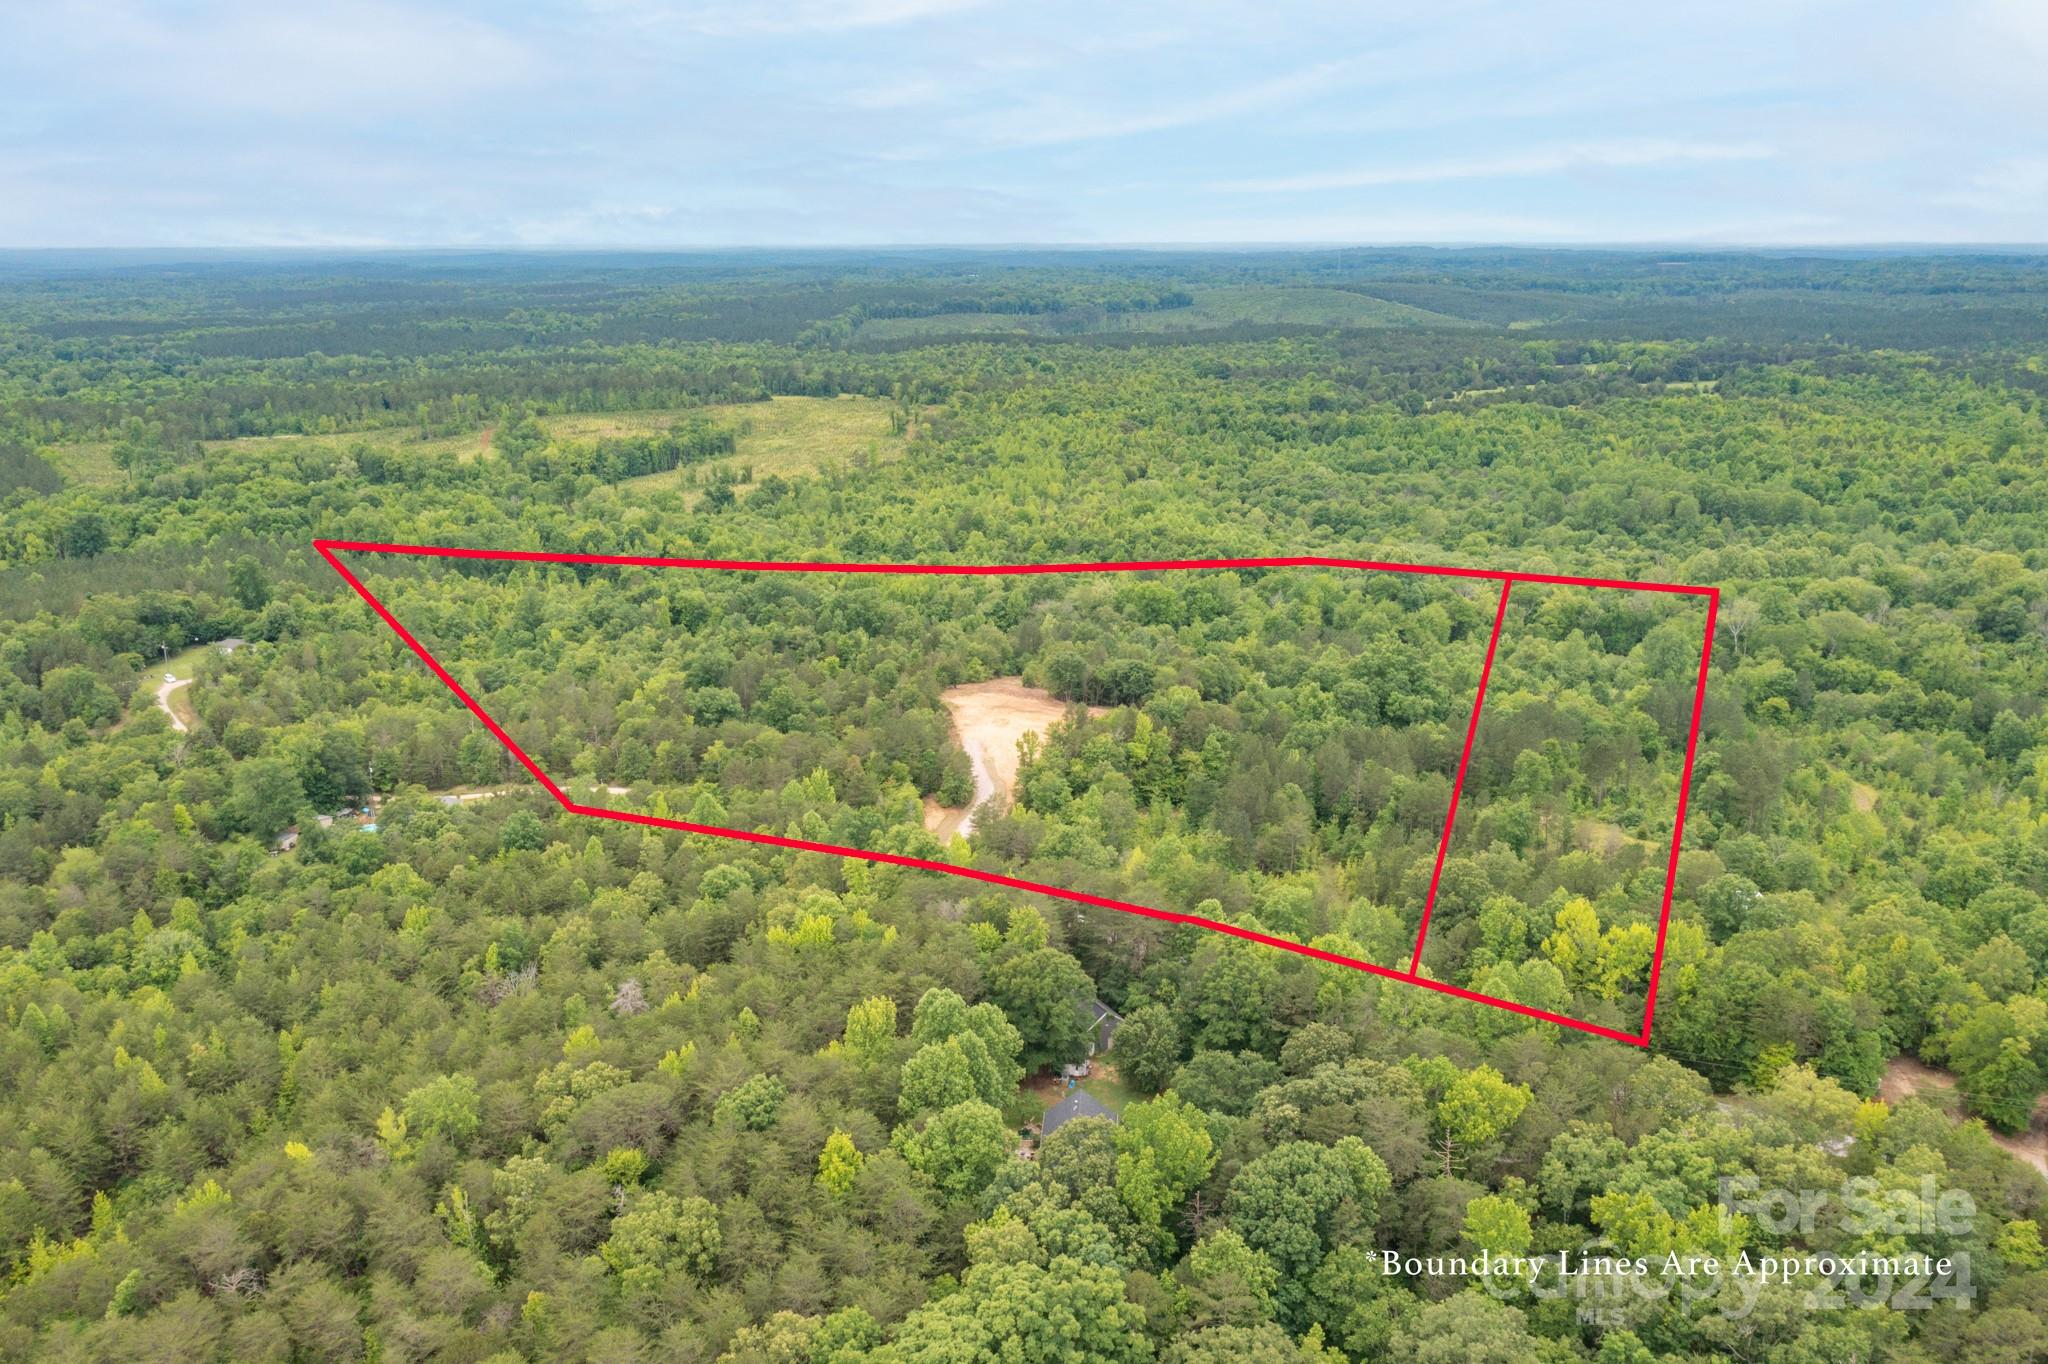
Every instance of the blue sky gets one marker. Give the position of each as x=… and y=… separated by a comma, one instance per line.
x=720, y=122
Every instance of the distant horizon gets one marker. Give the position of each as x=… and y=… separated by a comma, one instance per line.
x=318, y=251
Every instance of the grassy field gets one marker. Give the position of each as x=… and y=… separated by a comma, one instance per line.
x=782, y=436
x=786, y=436
x=1111, y=1094
x=1212, y=310
x=184, y=664
x=88, y=463
x=91, y=463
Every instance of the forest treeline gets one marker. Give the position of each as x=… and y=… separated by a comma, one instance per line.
x=494, y=1082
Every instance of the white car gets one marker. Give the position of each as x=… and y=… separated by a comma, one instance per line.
x=168, y=677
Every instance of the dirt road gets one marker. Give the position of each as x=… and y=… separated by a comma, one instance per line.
x=163, y=700
x=989, y=720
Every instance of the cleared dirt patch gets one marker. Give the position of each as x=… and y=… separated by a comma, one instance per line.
x=990, y=719
x=1906, y=1076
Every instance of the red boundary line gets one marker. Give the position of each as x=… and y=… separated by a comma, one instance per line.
x=1443, y=844
x=1692, y=743
x=330, y=549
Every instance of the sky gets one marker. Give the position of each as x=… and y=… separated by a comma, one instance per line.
x=368, y=123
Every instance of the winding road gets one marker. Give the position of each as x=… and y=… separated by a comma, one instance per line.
x=163, y=701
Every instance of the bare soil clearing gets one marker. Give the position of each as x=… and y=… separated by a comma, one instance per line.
x=990, y=719
x=1905, y=1077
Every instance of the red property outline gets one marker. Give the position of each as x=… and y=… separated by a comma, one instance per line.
x=329, y=549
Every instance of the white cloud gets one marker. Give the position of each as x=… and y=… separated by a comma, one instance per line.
x=902, y=93
x=1048, y=121
x=664, y=121
x=250, y=57
x=740, y=17
x=1427, y=227
x=2016, y=185
x=1992, y=48
x=1542, y=161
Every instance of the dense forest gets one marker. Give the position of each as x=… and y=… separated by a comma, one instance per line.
x=329, y=1035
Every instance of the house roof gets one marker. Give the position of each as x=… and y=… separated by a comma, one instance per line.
x=1079, y=1103
x=1107, y=1021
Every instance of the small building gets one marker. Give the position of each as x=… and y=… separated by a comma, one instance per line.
x=230, y=644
